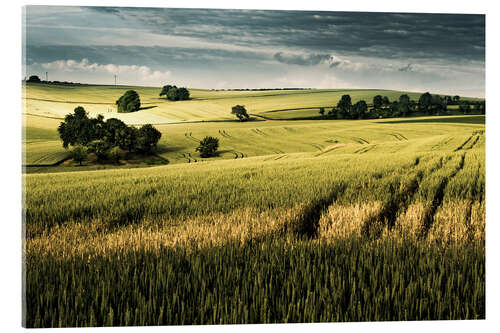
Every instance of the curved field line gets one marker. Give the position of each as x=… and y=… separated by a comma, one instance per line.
x=330, y=148
x=464, y=143
x=397, y=137
x=402, y=136
x=190, y=136
x=367, y=149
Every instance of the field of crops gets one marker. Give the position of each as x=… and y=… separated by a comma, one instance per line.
x=56, y=101
x=294, y=221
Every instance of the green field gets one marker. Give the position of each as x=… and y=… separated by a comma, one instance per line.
x=294, y=221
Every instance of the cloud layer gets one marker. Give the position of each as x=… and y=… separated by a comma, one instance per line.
x=251, y=48
x=127, y=74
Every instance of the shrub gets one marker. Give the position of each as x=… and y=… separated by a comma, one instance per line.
x=115, y=154
x=79, y=154
x=208, y=146
x=129, y=102
x=100, y=148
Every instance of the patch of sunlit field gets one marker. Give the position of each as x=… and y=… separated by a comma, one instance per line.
x=283, y=139
x=384, y=234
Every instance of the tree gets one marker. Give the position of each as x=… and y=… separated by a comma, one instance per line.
x=395, y=109
x=345, y=105
x=437, y=103
x=77, y=128
x=208, y=146
x=377, y=102
x=332, y=113
x=147, y=139
x=425, y=102
x=464, y=107
x=126, y=138
x=34, y=79
x=79, y=154
x=129, y=102
x=172, y=94
x=183, y=94
x=165, y=89
x=240, y=112
x=359, y=110
x=386, y=101
x=404, y=104
x=114, y=154
x=456, y=99
x=100, y=148
x=111, y=129
x=322, y=111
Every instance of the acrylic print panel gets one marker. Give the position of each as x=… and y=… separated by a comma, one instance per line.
x=202, y=166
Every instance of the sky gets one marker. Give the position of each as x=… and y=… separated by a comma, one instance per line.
x=221, y=49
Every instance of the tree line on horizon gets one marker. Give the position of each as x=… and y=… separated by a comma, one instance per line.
x=382, y=107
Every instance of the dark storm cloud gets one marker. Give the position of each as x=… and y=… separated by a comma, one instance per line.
x=303, y=60
x=385, y=35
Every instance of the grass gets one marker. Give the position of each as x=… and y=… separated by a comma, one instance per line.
x=294, y=221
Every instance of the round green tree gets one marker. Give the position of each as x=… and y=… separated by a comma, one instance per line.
x=208, y=146
x=129, y=102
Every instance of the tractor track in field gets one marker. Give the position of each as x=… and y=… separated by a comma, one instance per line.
x=462, y=146
x=317, y=146
x=225, y=134
x=398, y=136
x=365, y=149
x=238, y=154
x=188, y=157
x=437, y=200
x=307, y=222
x=258, y=132
x=190, y=137
x=330, y=148
x=441, y=143
x=474, y=142
x=360, y=141
x=399, y=201
x=281, y=154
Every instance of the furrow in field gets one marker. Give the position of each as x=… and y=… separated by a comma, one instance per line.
x=365, y=149
x=330, y=148
x=396, y=136
x=190, y=137
x=399, y=201
x=464, y=143
x=306, y=222
x=438, y=198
